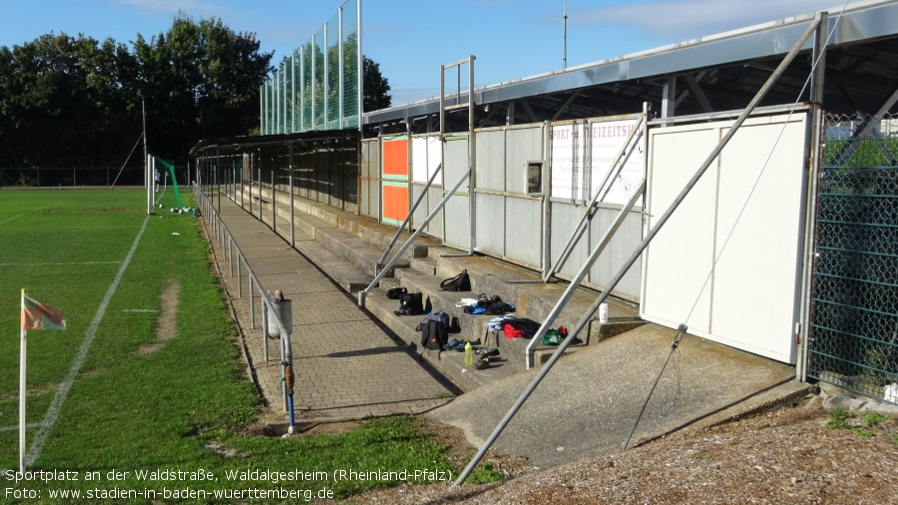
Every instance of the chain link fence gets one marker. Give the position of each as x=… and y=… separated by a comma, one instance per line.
x=854, y=315
x=64, y=177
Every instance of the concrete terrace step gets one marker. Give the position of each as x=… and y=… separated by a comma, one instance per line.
x=475, y=327
x=359, y=240
x=532, y=297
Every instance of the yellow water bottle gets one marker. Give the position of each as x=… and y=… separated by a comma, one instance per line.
x=469, y=354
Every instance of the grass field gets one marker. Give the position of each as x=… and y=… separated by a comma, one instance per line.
x=136, y=403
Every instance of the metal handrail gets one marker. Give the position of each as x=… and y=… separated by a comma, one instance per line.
x=220, y=229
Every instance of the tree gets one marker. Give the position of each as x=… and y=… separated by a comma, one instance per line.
x=60, y=102
x=376, y=90
x=200, y=80
x=75, y=102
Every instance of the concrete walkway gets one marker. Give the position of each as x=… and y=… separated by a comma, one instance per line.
x=348, y=366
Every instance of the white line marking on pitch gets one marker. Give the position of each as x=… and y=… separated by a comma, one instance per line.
x=16, y=427
x=11, y=218
x=69, y=264
x=24, y=213
x=63, y=391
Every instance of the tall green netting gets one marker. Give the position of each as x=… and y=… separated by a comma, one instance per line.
x=171, y=170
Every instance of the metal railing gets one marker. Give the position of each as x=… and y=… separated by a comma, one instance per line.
x=226, y=242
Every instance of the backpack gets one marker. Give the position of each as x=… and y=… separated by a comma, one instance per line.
x=434, y=331
x=410, y=304
x=454, y=325
x=461, y=282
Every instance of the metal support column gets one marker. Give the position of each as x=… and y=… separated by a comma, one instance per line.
x=814, y=143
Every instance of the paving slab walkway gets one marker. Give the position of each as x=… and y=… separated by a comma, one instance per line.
x=347, y=364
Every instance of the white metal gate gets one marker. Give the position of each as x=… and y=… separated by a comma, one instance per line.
x=727, y=263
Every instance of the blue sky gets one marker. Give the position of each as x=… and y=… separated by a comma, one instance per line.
x=410, y=39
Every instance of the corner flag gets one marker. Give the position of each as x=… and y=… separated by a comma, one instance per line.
x=37, y=316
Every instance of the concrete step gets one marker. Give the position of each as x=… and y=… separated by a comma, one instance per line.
x=357, y=251
x=475, y=327
x=360, y=241
x=449, y=363
x=532, y=297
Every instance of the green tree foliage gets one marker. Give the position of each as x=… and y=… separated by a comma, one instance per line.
x=61, y=102
x=200, y=80
x=75, y=102
x=376, y=91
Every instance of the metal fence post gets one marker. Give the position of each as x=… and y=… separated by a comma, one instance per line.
x=239, y=276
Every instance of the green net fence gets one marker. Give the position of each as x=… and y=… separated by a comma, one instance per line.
x=317, y=86
x=170, y=167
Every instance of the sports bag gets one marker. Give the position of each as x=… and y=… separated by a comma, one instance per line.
x=520, y=327
x=554, y=337
x=461, y=282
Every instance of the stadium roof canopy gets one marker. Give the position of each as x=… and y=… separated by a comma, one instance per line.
x=711, y=74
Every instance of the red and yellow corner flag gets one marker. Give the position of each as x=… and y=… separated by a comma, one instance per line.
x=37, y=316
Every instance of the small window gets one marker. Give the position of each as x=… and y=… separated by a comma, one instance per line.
x=534, y=177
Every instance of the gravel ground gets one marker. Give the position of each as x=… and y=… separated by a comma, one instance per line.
x=785, y=456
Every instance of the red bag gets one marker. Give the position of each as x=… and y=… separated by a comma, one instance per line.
x=512, y=332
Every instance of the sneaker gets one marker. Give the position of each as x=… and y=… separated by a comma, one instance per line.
x=482, y=363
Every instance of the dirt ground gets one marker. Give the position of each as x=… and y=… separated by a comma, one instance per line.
x=785, y=456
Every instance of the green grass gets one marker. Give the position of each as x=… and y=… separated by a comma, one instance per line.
x=861, y=423
x=183, y=407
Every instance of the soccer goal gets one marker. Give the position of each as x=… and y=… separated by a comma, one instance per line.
x=161, y=175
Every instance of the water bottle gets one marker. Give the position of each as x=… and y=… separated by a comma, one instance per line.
x=469, y=354
x=603, y=312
